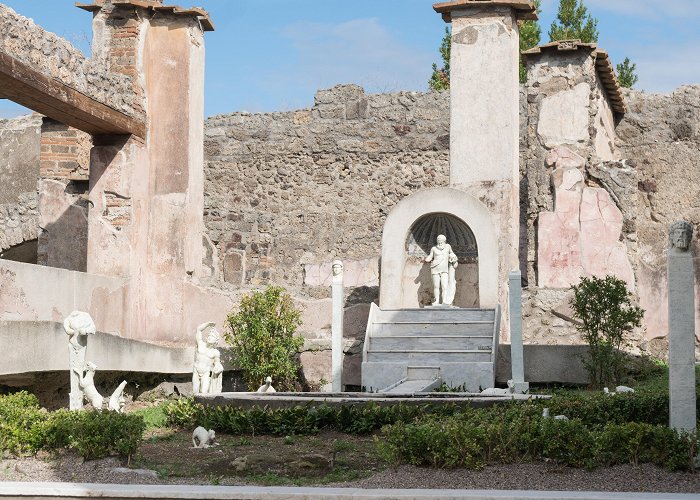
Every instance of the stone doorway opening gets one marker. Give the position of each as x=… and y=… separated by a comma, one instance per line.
x=417, y=283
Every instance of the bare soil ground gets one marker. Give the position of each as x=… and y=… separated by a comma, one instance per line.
x=167, y=457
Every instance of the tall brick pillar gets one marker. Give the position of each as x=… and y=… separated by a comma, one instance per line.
x=146, y=223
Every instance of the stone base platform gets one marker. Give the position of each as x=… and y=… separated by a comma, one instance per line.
x=292, y=399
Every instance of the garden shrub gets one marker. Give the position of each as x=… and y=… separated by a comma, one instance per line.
x=26, y=428
x=461, y=441
x=262, y=334
x=21, y=420
x=607, y=315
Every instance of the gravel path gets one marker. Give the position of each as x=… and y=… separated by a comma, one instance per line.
x=531, y=476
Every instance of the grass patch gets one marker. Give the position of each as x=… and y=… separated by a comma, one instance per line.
x=153, y=416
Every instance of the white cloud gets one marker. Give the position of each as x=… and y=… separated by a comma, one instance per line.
x=664, y=68
x=651, y=9
x=359, y=51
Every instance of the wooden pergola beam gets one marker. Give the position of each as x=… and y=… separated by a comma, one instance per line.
x=50, y=97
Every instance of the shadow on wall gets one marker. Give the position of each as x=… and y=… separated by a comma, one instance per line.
x=24, y=252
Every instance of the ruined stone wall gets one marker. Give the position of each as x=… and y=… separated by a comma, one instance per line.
x=287, y=193
x=19, y=174
x=660, y=135
x=53, y=56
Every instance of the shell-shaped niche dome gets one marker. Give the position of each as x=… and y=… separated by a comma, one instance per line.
x=424, y=232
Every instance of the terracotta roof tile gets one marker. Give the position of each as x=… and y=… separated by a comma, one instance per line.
x=603, y=67
x=157, y=6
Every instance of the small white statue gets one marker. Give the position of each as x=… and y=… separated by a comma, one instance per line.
x=337, y=270
x=494, y=391
x=77, y=325
x=86, y=379
x=117, y=401
x=623, y=388
x=267, y=386
x=202, y=438
x=443, y=263
x=545, y=414
x=207, y=371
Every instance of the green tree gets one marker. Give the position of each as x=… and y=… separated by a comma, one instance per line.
x=440, y=79
x=530, y=35
x=574, y=22
x=626, y=74
x=262, y=334
x=606, y=314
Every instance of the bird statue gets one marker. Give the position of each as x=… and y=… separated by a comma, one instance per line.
x=267, y=386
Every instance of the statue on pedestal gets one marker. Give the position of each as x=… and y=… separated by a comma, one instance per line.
x=443, y=263
x=78, y=325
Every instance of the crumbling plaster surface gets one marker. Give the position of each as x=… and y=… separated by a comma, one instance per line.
x=53, y=56
x=19, y=173
x=19, y=157
x=660, y=134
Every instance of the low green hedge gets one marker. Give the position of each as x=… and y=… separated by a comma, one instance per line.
x=25, y=428
x=473, y=439
x=299, y=420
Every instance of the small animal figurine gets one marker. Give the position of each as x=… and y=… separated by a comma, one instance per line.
x=202, y=438
x=623, y=388
x=545, y=414
x=267, y=386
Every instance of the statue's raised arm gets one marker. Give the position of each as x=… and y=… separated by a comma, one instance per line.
x=200, y=331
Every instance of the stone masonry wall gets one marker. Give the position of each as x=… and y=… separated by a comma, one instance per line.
x=53, y=56
x=287, y=193
x=660, y=135
x=19, y=174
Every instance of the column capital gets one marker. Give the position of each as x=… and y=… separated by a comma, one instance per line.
x=525, y=10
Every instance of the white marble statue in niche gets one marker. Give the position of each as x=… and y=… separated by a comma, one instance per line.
x=443, y=263
x=207, y=371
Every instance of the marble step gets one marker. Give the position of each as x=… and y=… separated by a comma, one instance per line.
x=428, y=315
x=411, y=328
x=414, y=386
x=420, y=342
x=427, y=357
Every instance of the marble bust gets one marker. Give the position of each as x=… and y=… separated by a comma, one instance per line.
x=443, y=262
x=337, y=271
x=679, y=234
x=207, y=370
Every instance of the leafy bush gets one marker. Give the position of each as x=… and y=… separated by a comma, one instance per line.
x=474, y=439
x=21, y=421
x=300, y=420
x=262, y=335
x=26, y=428
x=604, y=307
x=94, y=434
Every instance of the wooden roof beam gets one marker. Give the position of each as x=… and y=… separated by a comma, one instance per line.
x=50, y=97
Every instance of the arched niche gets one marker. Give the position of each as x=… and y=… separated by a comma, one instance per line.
x=417, y=284
x=415, y=218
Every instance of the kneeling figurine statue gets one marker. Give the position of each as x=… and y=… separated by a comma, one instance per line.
x=202, y=438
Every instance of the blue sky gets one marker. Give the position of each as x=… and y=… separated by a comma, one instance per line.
x=274, y=55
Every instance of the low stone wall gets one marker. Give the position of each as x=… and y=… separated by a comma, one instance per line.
x=53, y=56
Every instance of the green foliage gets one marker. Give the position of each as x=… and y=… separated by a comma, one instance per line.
x=262, y=335
x=574, y=22
x=153, y=416
x=26, y=428
x=440, y=79
x=298, y=420
x=475, y=438
x=21, y=423
x=626, y=73
x=530, y=35
x=94, y=434
x=605, y=310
